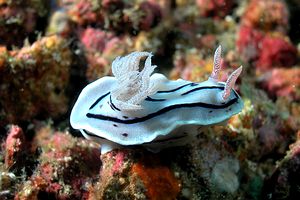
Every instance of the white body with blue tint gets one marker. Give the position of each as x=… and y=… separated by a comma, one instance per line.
x=150, y=110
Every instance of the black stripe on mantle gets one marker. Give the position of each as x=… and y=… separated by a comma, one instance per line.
x=166, y=91
x=98, y=100
x=162, y=111
x=178, y=88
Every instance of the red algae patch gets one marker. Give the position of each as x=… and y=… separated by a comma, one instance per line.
x=159, y=181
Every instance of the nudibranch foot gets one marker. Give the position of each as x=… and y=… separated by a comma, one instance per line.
x=136, y=107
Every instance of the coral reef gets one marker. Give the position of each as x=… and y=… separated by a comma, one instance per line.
x=18, y=19
x=117, y=15
x=262, y=36
x=215, y=8
x=66, y=167
x=107, y=29
x=248, y=43
x=49, y=50
x=266, y=15
x=266, y=51
x=135, y=174
x=14, y=147
x=40, y=74
x=283, y=82
x=281, y=53
x=284, y=181
x=100, y=47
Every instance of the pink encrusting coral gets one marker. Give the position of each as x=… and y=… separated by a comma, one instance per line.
x=276, y=51
x=14, y=147
x=83, y=11
x=214, y=8
x=266, y=15
x=262, y=35
x=114, y=15
x=66, y=166
x=283, y=82
x=248, y=43
x=99, y=48
x=97, y=40
x=265, y=50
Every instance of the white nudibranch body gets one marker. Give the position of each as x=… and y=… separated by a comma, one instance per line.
x=137, y=108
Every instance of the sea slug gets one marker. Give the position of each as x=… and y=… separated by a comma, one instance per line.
x=136, y=107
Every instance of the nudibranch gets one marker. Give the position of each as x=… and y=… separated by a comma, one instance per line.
x=136, y=107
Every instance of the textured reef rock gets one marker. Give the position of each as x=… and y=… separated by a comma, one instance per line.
x=262, y=36
x=284, y=182
x=14, y=147
x=248, y=43
x=100, y=48
x=59, y=23
x=266, y=51
x=116, y=15
x=83, y=11
x=190, y=66
x=182, y=173
x=266, y=15
x=66, y=167
x=196, y=35
x=283, y=82
x=135, y=174
x=19, y=18
x=276, y=51
x=110, y=28
x=265, y=128
x=33, y=80
x=214, y=169
x=214, y=8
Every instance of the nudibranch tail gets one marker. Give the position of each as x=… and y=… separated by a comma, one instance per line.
x=217, y=64
x=133, y=86
x=230, y=82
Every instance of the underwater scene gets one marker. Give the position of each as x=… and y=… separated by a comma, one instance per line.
x=149, y=99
